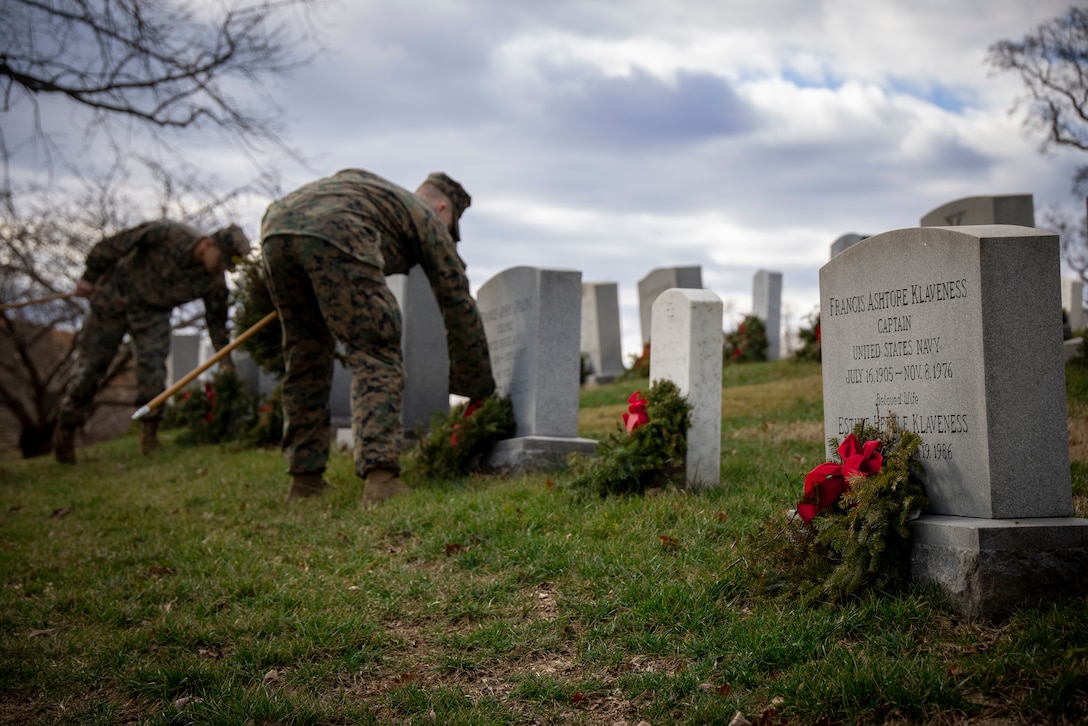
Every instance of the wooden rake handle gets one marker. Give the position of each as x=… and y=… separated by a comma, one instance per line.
x=219, y=355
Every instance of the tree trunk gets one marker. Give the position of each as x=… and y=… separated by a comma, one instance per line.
x=36, y=440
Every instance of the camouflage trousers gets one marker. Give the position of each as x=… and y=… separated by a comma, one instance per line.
x=325, y=295
x=111, y=315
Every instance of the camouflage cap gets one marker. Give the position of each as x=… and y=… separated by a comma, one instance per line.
x=457, y=196
x=233, y=243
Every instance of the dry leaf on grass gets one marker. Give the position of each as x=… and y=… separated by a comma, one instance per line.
x=42, y=632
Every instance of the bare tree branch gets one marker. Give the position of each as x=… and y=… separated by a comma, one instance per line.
x=142, y=71
x=146, y=58
x=1052, y=62
x=161, y=64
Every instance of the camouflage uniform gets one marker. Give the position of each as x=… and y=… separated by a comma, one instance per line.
x=139, y=276
x=328, y=247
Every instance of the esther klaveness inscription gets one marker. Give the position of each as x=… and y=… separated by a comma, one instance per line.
x=921, y=324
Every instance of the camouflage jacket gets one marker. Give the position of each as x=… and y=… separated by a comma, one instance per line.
x=392, y=229
x=152, y=265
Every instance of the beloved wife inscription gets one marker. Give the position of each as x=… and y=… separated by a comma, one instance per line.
x=942, y=328
x=902, y=367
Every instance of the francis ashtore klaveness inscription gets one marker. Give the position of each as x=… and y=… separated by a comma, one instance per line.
x=901, y=360
x=953, y=331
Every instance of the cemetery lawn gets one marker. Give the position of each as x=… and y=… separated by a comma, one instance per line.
x=178, y=589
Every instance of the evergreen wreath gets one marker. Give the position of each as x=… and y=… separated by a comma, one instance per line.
x=748, y=343
x=458, y=444
x=640, y=364
x=211, y=412
x=267, y=429
x=811, y=344
x=851, y=531
x=647, y=452
x=253, y=302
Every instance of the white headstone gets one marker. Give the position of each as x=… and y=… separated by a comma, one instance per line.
x=184, y=356
x=767, y=306
x=955, y=331
x=601, y=339
x=658, y=281
x=207, y=350
x=532, y=318
x=687, y=350
x=1073, y=303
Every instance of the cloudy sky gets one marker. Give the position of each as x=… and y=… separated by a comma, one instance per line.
x=618, y=137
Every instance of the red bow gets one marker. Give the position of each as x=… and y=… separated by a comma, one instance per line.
x=637, y=412
x=826, y=483
x=471, y=408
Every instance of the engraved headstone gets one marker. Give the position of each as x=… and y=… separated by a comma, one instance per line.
x=426, y=356
x=601, y=340
x=687, y=350
x=1017, y=209
x=845, y=242
x=532, y=318
x=954, y=331
x=767, y=306
x=658, y=281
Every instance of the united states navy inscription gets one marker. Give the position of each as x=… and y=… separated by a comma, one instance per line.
x=901, y=360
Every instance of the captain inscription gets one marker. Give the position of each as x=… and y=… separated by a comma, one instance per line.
x=899, y=360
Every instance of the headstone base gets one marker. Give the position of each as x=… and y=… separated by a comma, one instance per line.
x=601, y=379
x=533, y=453
x=988, y=567
x=1071, y=348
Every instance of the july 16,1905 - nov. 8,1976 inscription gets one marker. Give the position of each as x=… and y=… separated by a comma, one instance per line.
x=957, y=332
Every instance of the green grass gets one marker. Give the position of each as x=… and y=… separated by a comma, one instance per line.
x=179, y=589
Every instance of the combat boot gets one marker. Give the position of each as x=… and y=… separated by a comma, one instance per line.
x=64, y=444
x=382, y=484
x=306, y=485
x=149, y=437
